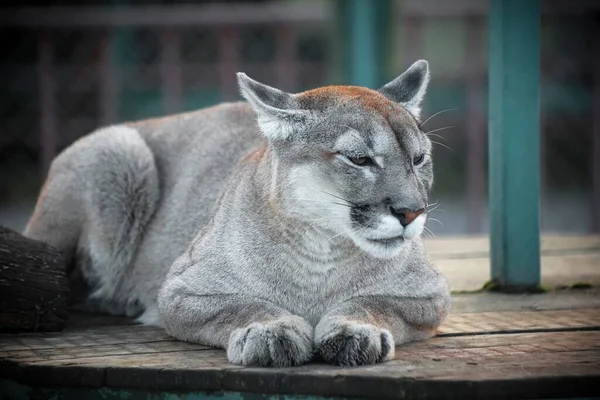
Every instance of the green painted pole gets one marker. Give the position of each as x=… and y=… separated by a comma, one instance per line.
x=514, y=145
x=362, y=41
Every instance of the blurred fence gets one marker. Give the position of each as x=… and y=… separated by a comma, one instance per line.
x=570, y=103
x=97, y=65
x=72, y=69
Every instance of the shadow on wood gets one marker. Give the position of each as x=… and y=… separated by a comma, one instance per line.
x=33, y=285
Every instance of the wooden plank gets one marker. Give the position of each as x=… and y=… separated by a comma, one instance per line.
x=528, y=365
x=557, y=271
x=33, y=285
x=164, y=16
x=478, y=247
x=520, y=321
x=514, y=143
x=85, y=338
x=110, y=352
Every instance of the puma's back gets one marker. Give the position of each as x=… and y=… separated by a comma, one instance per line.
x=124, y=201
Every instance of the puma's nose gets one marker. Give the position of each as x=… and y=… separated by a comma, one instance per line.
x=405, y=215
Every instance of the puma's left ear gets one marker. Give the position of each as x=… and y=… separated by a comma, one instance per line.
x=409, y=88
x=278, y=113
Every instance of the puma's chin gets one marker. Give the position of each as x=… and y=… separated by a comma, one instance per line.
x=381, y=248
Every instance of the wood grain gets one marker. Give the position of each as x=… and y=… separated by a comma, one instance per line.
x=33, y=285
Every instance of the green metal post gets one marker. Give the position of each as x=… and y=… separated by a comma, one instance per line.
x=514, y=145
x=361, y=30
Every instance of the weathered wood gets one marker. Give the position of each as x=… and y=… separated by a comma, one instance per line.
x=33, y=285
x=97, y=336
x=112, y=353
x=478, y=247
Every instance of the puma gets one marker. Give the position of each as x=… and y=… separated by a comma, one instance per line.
x=278, y=228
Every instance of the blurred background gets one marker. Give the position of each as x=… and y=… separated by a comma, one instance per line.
x=67, y=69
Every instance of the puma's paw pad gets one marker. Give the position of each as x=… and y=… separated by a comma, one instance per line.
x=354, y=344
x=280, y=343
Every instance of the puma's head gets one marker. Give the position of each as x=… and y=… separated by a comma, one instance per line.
x=350, y=160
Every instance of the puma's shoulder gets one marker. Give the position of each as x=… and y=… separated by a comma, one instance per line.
x=233, y=113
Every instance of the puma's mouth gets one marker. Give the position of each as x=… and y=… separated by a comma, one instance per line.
x=388, y=241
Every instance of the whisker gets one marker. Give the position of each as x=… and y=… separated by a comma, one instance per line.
x=433, y=204
x=436, y=220
x=436, y=114
x=439, y=129
x=322, y=202
x=444, y=211
x=426, y=229
x=442, y=144
x=340, y=198
x=434, y=207
x=436, y=135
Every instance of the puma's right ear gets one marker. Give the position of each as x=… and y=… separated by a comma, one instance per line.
x=278, y=113
x=409, y=88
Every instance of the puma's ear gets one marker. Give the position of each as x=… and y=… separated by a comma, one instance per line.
x=409, y=88
x=278, y=113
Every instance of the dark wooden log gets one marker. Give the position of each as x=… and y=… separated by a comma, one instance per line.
x=34, y=289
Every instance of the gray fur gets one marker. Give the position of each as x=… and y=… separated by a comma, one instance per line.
x=293, y=250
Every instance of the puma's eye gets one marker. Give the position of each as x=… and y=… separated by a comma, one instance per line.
x=360, y=160
x=418, y=159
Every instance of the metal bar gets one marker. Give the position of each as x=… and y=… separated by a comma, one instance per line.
x=109, y=98
x=228, y=62
x=171, y=15
x=413, y=39
x=285, y=67
x=218, y=14
x=596, y=126
x=514, y=129
x=460, y=8
x=48, y=117
x=475, y=128
x=170, y=70
x=361, y=31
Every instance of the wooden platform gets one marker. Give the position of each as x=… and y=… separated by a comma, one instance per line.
x=531, y=354
x=566, y=259
x=492, y=346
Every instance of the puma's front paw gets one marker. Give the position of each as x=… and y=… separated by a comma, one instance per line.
x=352, y=344
x=280, y=343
